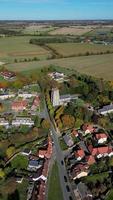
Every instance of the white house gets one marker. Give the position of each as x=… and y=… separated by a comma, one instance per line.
x=106, y=109
x=58, y=100
x=4, y=122
x=22, y=121
x=101, y=138
x=6, y=96
x=26, y=95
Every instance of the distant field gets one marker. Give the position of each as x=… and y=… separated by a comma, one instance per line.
x=98, y=66
x=71, y=31
x=33, y=29
x=68, y=49
x=19, y=47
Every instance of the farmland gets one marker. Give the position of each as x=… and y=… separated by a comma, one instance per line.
x=96, y=65
x=19, y=48
x=69, y=49
x=71, y=30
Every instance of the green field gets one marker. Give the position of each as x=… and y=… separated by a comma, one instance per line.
x=76, y=49
x=98, y=66
x=19, y=48
x=54, y=185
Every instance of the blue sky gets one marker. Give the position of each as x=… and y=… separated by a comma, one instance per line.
x=56, y=9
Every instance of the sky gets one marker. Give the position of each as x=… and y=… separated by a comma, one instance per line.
x=55, y=9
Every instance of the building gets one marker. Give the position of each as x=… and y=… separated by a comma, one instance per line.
x=79, y=154
x=26, y=152
x=106, y=109
x=4, y=122
x=26, y=95
x=101, y=151
x=79, y=171
x=46, y=153
x=68, y=140
x=19, y=179
x=59, y=77
x=58, y=100
x=90, y=160
x=8, y=75
x=101, y=138
x=19, y=105
x=34, y=165
x=88, y=128
x=6, y=96
x=36, y=103
x=74, y=133
x=23, y=121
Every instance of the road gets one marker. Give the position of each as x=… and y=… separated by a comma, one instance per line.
x=59, y=158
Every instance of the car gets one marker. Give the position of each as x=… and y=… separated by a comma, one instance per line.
x=70, y=198
x=67, y=188
x=62, y=162
x=65, y=178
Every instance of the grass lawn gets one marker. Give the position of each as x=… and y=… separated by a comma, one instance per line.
x=69, y=49
x=109, y=195
x=19, y=48
x=97, y=65
x=63, y=145
x=54, y=185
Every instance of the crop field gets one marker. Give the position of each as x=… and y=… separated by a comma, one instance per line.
x=76, y=49
x=34, y=29
x=102, y=31
x=19, y=47
x=71, y=30
x=95, y=65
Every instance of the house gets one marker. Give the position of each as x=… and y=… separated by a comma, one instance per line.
x=68, y=140
x=58, y=100
x=19, y=105
x=35, y=164
x=6, y=96
x=46, y=153
x=79, y=154
x=4, y=122
x=26, y=152
x=19, y=179
x=59, y=77
x=101, y=138
x=106, y=109
x=88, y=128
x=84, y=192
x=8, y=75
x=79, y=171
x=74, y=133
x=23, y=121
x=36, y=103
x=90, y=160
x=26, y=95
x=101, y=151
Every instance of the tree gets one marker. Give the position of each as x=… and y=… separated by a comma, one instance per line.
x=2, y=173
x=45, y=124
x=68, y=121
x=10, y=151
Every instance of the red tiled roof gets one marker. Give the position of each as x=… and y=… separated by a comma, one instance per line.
x=19, y=104
x=100, y=150
x=88, y=127
x=79, y=153
x=90, y=159
x=7, y=74
x=36, y=101
x=100, y=136
x=74, y=132
x=46, y=153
